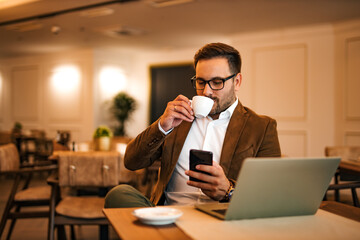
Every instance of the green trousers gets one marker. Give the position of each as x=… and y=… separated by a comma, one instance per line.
x=125, y=196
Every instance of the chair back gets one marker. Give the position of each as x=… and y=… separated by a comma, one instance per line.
x=92, y=169
x=5, y=137
x=351, y=153
x=9, y=158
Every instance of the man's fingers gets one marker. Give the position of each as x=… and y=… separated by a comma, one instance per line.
x=184, y=117
x=214, y=171
x=201, y=176
x=185, y=110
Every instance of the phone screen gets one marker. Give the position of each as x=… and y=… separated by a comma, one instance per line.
x=199, y=157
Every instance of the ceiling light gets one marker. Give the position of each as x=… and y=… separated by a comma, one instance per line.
x=97, y=12
x=121, y=31
x=25, y=26
x=166, y=3
x=55, y=29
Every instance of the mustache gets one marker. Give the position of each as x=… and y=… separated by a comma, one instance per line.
x=216, y=100
x=213, y=98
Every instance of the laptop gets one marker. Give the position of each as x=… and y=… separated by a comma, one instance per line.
x=276, y=187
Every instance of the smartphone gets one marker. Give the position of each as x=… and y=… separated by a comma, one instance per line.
x=199, y=157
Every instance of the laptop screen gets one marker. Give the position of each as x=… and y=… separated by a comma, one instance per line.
x=273, y=187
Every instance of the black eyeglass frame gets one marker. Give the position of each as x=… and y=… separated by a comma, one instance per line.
x=193, y=81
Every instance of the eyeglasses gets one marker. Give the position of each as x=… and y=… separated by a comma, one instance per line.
x=215, y=83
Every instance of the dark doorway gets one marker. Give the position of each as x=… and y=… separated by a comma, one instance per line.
x=167, y=82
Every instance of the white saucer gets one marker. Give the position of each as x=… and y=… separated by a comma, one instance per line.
x=157, y=215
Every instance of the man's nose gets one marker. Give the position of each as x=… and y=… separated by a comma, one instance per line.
x=207, y=90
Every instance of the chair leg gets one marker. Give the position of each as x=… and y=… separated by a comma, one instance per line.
x=355, y=197
x=61, y=233
x=9, y=204
x=11, y=228
x=72, y=231
x=104, y=232
x=51, y=222
x=337, y=191
x=12, y=225
x=3, y=221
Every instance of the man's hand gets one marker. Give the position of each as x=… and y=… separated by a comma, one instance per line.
x=215, y=186
x=176, y=111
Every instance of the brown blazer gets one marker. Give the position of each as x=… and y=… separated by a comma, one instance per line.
x=247, y=135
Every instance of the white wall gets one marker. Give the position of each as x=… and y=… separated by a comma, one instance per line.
x=347, y=83
x=306, y=78
x=289, y=75
x=28, y=95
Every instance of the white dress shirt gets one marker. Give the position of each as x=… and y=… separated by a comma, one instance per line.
x=205, y=134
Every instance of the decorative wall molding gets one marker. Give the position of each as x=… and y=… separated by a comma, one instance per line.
x=352, y=79
x=25, y=89
x=2, y=95
x=64, y=107
x=293, y=143
x=280, y=75
x=352, y=138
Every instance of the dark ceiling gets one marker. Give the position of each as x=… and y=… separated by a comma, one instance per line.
x=141, y=25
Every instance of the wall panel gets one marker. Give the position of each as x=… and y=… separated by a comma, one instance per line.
x=352, y=81
x=347, y=83
x=352, y=138
x=2, y=97
x=293, y=143
x=64, y=103
x=25, y=93
x=280, y=76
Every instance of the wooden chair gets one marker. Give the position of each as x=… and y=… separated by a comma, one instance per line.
x=343, y=180
x=21, y=195
x=5, y=137
x=81, y=170
x=44, y=149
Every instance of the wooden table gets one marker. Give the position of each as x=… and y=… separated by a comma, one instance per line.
x=128, y=227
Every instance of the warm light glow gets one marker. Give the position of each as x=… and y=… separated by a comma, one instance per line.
x=65, y=78
x=112, y=80
x=121, y=148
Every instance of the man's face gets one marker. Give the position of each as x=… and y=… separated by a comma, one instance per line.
x=218, y=67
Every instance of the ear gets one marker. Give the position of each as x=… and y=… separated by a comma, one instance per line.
x=237, y=81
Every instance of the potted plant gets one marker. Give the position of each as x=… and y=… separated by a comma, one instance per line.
x=102, y=138
x=16, y=133
x=122, y=106
x=17, y=128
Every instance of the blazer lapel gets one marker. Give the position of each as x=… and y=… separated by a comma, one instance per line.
x=232, y=136
x=179, y=140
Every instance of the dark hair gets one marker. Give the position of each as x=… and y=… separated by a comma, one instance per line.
x=215, y=50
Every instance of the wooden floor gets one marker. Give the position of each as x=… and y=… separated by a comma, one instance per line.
x=36, y=229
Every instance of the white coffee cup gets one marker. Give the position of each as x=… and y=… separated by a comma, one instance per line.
x=201, y=106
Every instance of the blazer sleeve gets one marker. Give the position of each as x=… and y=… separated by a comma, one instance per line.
x=270, y=146
x=142, y=151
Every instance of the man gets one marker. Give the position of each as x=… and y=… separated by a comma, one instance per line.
x=231, y=131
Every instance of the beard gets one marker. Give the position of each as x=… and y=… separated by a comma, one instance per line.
x=216, y=108
x=221, y=106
